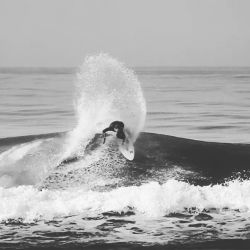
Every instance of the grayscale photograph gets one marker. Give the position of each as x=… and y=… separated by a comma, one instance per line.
x=125, y=124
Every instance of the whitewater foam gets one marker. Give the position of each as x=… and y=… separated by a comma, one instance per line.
x=149, y=200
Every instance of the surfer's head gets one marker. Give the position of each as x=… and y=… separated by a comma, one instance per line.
x=118, y=127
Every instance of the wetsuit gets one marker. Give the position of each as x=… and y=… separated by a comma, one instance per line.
x=118, y=127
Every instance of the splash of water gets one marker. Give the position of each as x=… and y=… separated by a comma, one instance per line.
x=107, y=91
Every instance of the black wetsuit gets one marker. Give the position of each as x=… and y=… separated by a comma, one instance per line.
x=120, y=130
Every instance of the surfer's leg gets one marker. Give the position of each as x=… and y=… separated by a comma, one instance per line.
x=120, y=134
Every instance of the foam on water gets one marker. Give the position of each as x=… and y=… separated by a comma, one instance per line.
x=149, y=200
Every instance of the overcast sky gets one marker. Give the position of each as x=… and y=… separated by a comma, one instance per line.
x=137, y=32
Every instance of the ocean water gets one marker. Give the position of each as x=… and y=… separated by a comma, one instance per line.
x=210, y=104
x=61, y=187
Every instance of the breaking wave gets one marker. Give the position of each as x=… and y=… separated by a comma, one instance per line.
x=150, y=200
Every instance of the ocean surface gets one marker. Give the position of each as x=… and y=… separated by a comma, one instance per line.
x=210, y=104
x=188, y=186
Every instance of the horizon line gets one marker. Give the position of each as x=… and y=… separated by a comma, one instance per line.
x=129, y=66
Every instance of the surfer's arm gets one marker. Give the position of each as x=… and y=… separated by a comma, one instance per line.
x=104, y=133
x=107, y=129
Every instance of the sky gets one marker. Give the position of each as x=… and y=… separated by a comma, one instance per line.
x=60, y=33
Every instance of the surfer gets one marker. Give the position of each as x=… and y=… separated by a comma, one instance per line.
x=115, y=126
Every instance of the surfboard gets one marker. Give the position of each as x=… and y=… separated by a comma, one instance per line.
x=127, y=150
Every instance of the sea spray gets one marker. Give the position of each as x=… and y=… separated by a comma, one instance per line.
x=106, y=91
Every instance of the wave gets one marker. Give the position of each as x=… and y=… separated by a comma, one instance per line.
x=60, y=174
x=37, y=160
x=168, y=175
